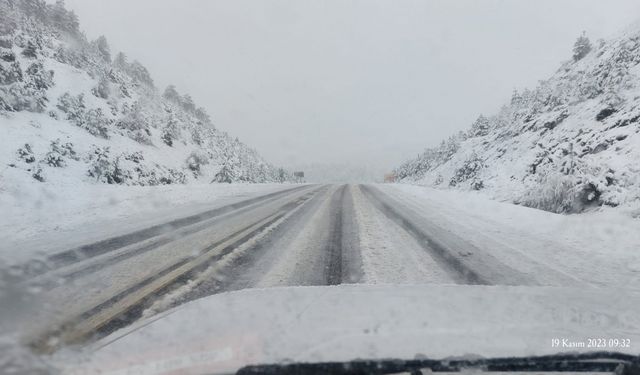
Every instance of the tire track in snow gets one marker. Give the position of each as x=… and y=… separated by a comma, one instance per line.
x=463, y=261
x=389, y=254
x=320, y=247
x=125, y=307
x=333, y=268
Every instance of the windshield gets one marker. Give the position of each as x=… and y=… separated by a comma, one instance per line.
x=201, y=186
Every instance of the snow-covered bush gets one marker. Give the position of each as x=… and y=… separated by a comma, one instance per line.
x=135, y=124
x=195, y=161
x=170, y=131
x=439, y=180
x=103, y=168
x=135, y=157
x=469, y=171
x=20, y=91
x=58, y=153
x=225, y=175
x=54, y=159
x=38, y=78
x=173, y=176
x=71, y=56
x=72, y=106
x=10, y=74
x=38, y=174
x=92, y=120
x=26, y=154
x=555, y=192
x=96, y=123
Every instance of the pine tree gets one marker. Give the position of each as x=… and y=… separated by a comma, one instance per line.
x=120, y=61
x=202, y=115
x=188, y=104
x=171, y=94
x=140, y=73
x=516, y=98
x=7, y=18
x=102, y=46
x=34, y=8
x=581, y=47
x=480, y=127
x=63, y=19
x=102, y=89
x=170, y=131
x=30, y=50
x=225, y=174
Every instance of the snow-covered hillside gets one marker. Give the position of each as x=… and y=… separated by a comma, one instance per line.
x=73, y=113
x=571, y=143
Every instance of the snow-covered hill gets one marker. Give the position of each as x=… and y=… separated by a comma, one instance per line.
x=71, y=113
x=571, y=143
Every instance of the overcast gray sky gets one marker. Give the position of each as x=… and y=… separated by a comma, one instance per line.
x=369, y=82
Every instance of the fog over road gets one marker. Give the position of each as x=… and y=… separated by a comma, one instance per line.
x=301, y=235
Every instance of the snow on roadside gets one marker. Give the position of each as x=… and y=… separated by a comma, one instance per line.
x=44, y=218
x=600, y=247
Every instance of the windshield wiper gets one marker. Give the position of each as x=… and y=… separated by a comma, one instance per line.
x=621, y=364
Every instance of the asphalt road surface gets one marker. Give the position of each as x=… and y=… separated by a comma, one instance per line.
x=303, y=235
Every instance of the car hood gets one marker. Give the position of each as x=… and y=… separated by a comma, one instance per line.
x=224, y=332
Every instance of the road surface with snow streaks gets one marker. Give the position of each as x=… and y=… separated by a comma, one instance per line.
x=302, y=235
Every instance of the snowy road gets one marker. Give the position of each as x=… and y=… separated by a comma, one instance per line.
x=302, y=235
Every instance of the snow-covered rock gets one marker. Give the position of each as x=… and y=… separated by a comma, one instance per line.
x=72, y=113
x=570, y=144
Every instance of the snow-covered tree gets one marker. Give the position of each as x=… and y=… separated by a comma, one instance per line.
x=480, y=127
x=120, y=61
x=140, y=73
x=102, y=89
x=30, y=51
x=103, y=48
x=170, y=131
x=135, y=123
x=171, y=94
x=581, y=47
x=64, y=20
x=202, y=115
x=188, y=104
x=11, y=74
x=225, y=174
x=516, y=99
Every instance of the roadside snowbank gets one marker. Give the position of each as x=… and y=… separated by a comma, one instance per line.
x=41, y=218
x=599, y=247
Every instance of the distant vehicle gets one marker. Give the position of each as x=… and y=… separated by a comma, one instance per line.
x=389, y=178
